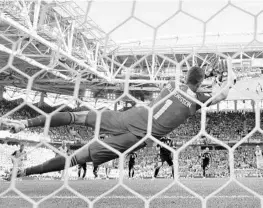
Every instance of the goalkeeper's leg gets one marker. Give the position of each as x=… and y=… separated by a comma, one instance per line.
x=79, y=171
x=156, y=170
x=204, y=170
x=95, y=153
x=84, y=171
x=171, y=165
x=95, y=171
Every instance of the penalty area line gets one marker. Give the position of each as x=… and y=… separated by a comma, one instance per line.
x=128, y=197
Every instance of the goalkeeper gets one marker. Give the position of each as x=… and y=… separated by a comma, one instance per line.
x=128, y=127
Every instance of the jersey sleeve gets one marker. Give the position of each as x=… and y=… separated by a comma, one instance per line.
x=203, y=97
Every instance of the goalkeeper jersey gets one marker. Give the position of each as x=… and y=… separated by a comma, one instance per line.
x=166, y=116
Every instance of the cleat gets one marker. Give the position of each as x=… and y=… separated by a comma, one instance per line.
x=7, y=178
x=20, y=173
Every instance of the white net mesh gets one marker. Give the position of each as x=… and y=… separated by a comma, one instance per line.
x=57, y=48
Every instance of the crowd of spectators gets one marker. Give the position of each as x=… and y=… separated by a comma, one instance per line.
x=189, y=162
x=35, y=156
x=56, y=134
x=226, y=126
x=222, y=125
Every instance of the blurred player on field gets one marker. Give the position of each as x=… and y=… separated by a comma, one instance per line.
x=95, y=171
x=108, y=166
x=259, y=158
x=20, y=156
x=132, y=156
x=84, y=168
x=171, y=109
x=206, y=158
x=64, y=149
x=74, y=135
x=259, y=88
x=165, y=156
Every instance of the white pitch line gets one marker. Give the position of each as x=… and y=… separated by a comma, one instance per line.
x=129, y=197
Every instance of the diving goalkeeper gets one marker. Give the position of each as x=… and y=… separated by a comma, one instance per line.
x=128, y=127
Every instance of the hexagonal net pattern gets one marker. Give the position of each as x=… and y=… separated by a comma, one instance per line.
x=63, y=41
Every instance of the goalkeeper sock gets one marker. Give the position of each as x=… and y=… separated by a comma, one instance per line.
x=156, y=172
x=84, y=173
x=55, y=164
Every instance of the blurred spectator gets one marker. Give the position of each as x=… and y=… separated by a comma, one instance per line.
x=20, y=156
x=226, y=126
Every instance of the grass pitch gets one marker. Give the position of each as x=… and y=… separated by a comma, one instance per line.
x=233, y=196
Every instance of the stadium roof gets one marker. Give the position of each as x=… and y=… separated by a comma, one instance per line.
x=137, y=26
x=65, y=46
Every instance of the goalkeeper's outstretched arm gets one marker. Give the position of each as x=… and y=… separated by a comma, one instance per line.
x=221, y=93
x=221, y=87
x=58, y=119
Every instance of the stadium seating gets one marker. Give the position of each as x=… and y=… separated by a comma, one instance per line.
x=223, y=125
x=35, y=156
x=56, y=134
x=189, y=161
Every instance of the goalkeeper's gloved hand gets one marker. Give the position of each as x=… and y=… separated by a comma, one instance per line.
x=12, y=125
x=222, y=72
x=219, y=70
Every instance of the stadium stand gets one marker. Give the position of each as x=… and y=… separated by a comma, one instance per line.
x=189, y=162
x=53, y=47
x=234, y=126
x=56, y=134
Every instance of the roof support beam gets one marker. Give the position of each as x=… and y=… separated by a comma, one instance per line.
x=54, y=47
x=36, y=14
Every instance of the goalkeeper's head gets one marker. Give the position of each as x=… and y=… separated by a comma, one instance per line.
x=194, y=78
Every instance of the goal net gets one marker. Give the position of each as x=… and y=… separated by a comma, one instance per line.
x=98, y=55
